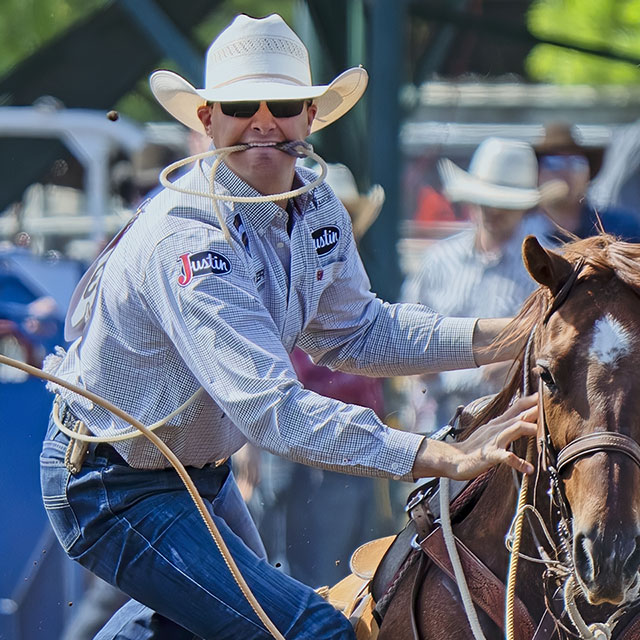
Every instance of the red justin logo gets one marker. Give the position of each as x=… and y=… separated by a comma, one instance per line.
x=202, y=264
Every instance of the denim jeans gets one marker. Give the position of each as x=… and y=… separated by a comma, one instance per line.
x=140, y=531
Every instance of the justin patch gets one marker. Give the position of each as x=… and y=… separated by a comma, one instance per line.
x=325, y=239
x=194, y=265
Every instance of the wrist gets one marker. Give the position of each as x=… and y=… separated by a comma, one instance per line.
x=435, y=459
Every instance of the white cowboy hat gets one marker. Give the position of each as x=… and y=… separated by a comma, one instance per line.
x=363, y=209
x=258, y=59
x=503, y=173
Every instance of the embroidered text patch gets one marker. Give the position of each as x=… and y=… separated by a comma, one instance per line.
x=202, y=263
x=325, y=239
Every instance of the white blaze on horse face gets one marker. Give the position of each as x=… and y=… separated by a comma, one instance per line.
x=610, y=340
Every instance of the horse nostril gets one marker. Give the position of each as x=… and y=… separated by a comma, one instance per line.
x=583, y=557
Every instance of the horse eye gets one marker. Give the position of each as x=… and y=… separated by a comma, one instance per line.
x=546, y=376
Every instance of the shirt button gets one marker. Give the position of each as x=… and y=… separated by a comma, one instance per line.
x=395, y=466
x=280, y=245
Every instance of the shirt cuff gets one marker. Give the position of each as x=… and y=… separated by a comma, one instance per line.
x=458, y=333
x=401, y=449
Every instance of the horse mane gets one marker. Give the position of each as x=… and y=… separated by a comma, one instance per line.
x=603, y=254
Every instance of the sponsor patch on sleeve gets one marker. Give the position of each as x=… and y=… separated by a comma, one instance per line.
x=203, y=263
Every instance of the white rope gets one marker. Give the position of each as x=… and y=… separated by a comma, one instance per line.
x=595, y=631
x=297, y=148
x=128, y=435
x=450, y=543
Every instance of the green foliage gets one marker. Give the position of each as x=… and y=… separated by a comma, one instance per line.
x=25, y=25
x=612, y=25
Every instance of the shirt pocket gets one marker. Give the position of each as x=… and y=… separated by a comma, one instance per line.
x=325, y=275
x=54, y=481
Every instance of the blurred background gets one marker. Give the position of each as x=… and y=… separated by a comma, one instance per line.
x=444, y=76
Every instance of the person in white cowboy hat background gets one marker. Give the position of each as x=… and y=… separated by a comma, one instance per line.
x=189, y=297
x=478, y=272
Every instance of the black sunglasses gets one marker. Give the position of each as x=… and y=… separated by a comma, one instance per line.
x=278, y=108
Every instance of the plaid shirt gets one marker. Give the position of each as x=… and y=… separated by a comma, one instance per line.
x=178, y=308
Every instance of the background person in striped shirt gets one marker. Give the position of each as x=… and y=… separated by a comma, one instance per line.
x=478, y=272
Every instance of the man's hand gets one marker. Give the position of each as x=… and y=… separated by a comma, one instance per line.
x=486, y=447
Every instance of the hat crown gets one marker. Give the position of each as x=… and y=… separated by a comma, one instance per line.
x=506, y=163
x=257, y=48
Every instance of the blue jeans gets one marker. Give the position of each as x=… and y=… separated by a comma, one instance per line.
x=140, y=531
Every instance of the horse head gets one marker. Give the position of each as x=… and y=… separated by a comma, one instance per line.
x=586, y=354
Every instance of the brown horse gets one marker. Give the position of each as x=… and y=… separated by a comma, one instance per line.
x=583, y=325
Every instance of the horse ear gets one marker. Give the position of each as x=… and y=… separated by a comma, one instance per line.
x=548, y=268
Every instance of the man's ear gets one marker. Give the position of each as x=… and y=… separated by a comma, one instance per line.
x=204, y=114
x=312, y=109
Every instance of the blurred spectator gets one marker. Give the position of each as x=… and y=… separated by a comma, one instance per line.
x=317, y=518
x=136, y=177
x=561, y=156
x=478, y=272
x=617, y=184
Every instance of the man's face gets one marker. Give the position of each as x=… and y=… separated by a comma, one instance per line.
x=500, y=224
x=573, y=169
x=256, y=165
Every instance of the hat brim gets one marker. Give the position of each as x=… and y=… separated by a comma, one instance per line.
x=461, y=186
x=181, y=99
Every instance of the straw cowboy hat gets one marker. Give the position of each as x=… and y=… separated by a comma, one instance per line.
x=258, y=59
x=363, y=209
x=503, y=173
x=559, y=140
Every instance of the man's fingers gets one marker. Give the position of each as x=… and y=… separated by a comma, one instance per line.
x=521, y=404
x=518, y=429
x=518, y=463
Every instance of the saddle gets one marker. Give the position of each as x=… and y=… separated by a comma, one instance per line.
x=376, y=564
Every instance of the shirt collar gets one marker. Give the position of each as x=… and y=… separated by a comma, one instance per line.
x=260, y=214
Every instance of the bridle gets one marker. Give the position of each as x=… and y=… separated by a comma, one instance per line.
x=584, y=445
x=556, y=462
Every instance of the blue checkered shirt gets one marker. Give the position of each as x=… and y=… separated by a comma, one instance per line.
x=177, y=308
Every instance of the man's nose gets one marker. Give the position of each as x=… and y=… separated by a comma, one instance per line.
x=263, y=119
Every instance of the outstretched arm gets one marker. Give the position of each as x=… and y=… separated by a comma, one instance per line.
x=484, y=333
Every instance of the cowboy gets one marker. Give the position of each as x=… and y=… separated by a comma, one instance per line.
x=478, y=272
x=187, y=321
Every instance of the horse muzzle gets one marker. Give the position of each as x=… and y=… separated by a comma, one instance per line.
x=607, y=569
